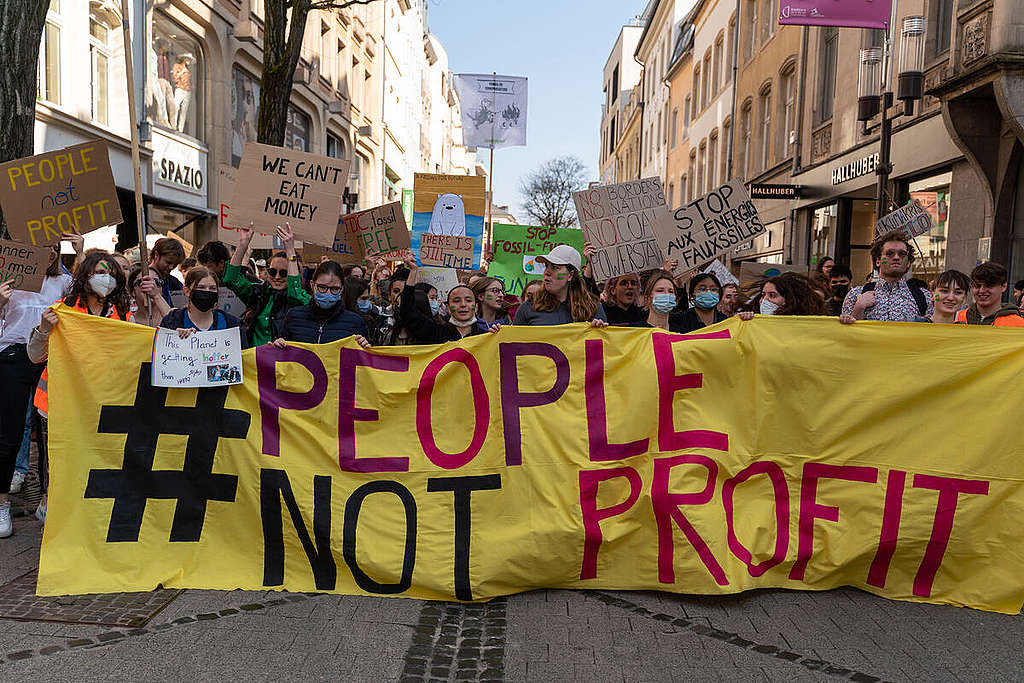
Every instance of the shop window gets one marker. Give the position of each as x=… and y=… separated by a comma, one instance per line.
x=177, y=76
x=296, y=130
x=823, y=232
x=99, y=53
x=934, y=195
x=245, y=105
x=48, y=87
x=829, y=54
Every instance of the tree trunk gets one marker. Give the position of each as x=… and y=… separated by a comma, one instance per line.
x=282, y=44
x=21, y=27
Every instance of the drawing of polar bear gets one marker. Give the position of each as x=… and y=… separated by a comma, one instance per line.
x=449, y=216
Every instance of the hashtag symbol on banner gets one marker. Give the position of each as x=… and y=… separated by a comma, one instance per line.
x=132, y=486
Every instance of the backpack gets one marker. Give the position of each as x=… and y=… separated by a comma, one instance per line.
x=922, y=303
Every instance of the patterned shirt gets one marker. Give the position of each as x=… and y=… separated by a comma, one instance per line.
x=894, y=303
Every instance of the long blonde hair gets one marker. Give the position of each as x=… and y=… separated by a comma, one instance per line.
x=582, y=304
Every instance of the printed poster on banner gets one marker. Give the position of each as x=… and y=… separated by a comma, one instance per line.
x=621, y=222
x=70, y=190
x=913, y=220
x=837, y=13
x=23, y=267
x=709, y=227
x=409, y=450
x=203, y=359
x=493, y=110
x=450, y=205
x=516, y=248
x=289, y=186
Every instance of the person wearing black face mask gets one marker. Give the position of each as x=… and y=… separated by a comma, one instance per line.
x=839, y=280
x=201, y=313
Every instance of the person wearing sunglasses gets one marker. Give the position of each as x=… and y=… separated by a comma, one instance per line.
x=890, y=299
x=267, y=302
x=325, y=319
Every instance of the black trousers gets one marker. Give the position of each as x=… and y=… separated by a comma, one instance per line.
x=18, y=379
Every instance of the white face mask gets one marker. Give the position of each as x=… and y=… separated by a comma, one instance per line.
x=102, y=283
x=768, y=308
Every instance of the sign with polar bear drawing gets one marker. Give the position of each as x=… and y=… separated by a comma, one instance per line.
x=445, y=207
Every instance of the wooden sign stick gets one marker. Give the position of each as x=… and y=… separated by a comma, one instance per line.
x=133, y=122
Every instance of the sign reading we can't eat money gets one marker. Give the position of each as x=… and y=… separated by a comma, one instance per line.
x=66, y=191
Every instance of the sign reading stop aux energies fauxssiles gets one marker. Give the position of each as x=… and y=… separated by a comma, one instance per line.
x=707, y=463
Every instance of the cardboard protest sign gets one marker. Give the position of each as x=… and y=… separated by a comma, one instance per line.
x=69, y=190
x=912, y=219
x=343, y=251
x=227, y=301
x=516, y=247
x=724, y=275
x=185, y=244
x=452, y=205
x=229, y=233
x=709, y=227
x=443, y=279
x=491, y=434
x=377, y=232
x=619, y=221
x=288, y=186
x=203, y=359
x=448, y=251
x=23, y=267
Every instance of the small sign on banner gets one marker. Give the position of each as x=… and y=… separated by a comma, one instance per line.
x=724, y=275
x=288, y=186
x=709, y=227
x=203, y=359
x=23, y=267
x=912, y=220
x=227, y=301
x=621, y=222
x=448, y=251
x=70, y=190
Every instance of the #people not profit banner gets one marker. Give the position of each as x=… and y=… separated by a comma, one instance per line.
x=567, y=457
x=493, y=110
x=516, y=248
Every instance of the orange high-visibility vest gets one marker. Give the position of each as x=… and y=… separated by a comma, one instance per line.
x=1002, y=321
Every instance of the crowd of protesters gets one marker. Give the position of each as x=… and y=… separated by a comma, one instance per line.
x=291, y=302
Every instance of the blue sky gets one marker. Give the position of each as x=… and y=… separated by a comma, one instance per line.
x=561, y=47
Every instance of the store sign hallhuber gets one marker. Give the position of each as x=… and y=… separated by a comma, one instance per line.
x=855, y=169
x=177, y=164
x=767, y=191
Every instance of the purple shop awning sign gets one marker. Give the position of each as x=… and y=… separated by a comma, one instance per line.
x=848, y=13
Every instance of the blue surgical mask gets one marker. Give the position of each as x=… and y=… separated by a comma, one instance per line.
x=435, y=306
x=326, y=299
x=663, y=303
x=706, y=300
x=768, y=308
x=364, y=306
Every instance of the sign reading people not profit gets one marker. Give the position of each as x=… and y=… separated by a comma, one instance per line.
x=67, y=191
x=620, y=221
x=912, y=219
x=287, y=186
x=709, y=227
x=23, y=267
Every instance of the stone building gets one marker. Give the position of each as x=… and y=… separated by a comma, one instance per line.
x=621, y=75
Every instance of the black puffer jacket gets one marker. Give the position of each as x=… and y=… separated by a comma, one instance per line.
x=313, y=325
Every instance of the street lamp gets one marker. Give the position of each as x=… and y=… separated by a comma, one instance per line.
x=875, y=96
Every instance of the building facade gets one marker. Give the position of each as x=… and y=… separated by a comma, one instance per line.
x=678, y=79
x=621, y=75
x=197, y=67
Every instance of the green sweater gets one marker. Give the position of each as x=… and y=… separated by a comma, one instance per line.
x=251, y=293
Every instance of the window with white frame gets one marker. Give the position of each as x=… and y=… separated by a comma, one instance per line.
x=675, y=128
x=712, y=172
x=751, y=47
x=99, y=57
x=48, y=81
x=719, y=55
x=827, y=76
x=788, y=83
x=692, y=174
x=766, y=128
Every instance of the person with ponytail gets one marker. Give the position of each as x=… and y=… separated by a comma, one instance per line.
x=427, y=329
x=564, y=297
x=325, y=319
x=98, y=288
x=201, y=313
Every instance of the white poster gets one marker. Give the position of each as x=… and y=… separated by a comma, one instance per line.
x=725, y=277
x=203, y=359
x=443, y=279
x=493, y=110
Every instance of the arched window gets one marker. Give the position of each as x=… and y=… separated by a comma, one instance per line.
x=787, y=107
x=765, y=114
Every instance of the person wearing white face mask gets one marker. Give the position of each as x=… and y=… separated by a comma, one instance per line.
x=789, y=294
x=98, y=288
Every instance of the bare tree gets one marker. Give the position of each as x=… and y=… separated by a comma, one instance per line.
x=547, y=192
x=284, y=25
x=21, y=30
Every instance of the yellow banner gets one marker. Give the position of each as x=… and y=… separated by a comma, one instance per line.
x=785, y=452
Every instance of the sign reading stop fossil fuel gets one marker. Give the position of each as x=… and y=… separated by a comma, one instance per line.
x=67, y=191
x=23, y=267
x=619, y=221
x=709, y=227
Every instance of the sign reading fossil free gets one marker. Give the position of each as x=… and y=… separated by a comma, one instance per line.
x=620, y=221
x=288, y=186
x=23, y=267
x=66, y=191
x=707, y=463
x=365, y=234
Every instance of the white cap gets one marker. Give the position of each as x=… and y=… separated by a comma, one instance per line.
x=563, y=255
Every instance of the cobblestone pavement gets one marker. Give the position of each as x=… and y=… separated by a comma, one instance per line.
x=540, y=636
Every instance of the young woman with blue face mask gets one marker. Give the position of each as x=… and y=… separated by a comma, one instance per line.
x=660, y=302
x=705, y=293
x=325, y=318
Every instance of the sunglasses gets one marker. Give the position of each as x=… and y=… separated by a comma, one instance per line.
x=277, y=272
